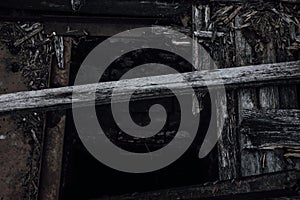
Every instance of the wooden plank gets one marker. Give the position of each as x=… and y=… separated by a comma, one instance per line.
x=228, y=144
x=91, y=29
x=247, y=1
x=270, y=97
x=97, y=26
x=271, y=129
x=129, y=8
x=112, y=7
x=274, y=135
x=214, y=42
x=103, y=28
x=153, y=87
x=284, y=184
x=103, y=7
x=229, y=164
x=203, y=61
x=54, y=134
x=246, y=98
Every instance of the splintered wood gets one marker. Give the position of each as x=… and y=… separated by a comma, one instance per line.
x=238, y=34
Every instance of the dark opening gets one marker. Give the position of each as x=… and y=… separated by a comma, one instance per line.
x=85, y=178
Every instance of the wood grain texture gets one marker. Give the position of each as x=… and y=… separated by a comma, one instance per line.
x=271, y=129
x=257, y=161
x=152, y=87
x=103, y=7
x=247, y=99
x=54, y=135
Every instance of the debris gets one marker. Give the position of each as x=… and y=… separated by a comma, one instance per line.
x=242, y=26
x=208, y=34
x=182, y=43
x=28, y=36
x=69, y=30
x=295, y=155
x=77, y=4
x=85, y=32
x=298, y=39
x=28, y=28
x=295, y=46
x=2, y=137
x=33, y=50
x=284, y=16
x=59, y=50
x=261, y=24
x=232, y=15
x=32, y=128
x=222, y=12
x=34, y=136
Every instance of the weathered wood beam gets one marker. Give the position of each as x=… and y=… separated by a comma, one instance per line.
x=120, y=8
x=99, y=26
x=247, y=1
x=55, y=20
x=284, y=184
x=105, y=27
x=152, y=87
x=113, y=7
x=68, y=25
x=271, y=129
x=208, y=34
x=103, y=7
x=53, y=144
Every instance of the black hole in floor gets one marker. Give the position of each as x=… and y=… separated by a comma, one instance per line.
x=84, y=177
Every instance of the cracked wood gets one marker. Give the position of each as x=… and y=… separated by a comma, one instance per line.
x=152, y=87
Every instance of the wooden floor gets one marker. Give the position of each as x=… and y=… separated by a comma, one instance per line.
x=255, y=46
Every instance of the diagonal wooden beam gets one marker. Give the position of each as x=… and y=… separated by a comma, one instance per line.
x=152, y=87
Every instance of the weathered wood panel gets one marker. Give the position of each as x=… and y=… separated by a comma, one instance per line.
x=247, y=98
x=203, y=61
x=282, y=184
x=274, y=30
x=229, y=162
x=258, y=32
x=273, y=135
x=271, y=129
x=204, y=34
x=152, y=87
